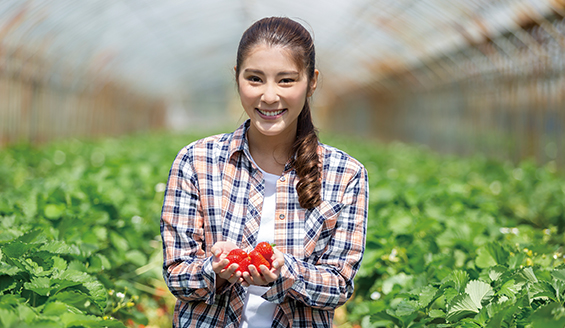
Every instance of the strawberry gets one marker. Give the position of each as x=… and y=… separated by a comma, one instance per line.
x=239, y=257
x=265, y=249
x=257, y=259
x=244, y=265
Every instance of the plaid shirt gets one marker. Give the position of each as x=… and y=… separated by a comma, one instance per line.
x=215, y=193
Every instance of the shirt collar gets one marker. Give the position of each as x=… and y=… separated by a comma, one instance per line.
x=239, y=141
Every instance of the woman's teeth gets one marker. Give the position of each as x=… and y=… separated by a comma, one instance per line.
x=271, y=113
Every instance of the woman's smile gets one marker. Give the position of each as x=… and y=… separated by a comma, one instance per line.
x=270, y=114
x=273, y=91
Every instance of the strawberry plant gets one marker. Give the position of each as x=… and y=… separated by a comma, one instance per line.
x=458, y=242
x=79, y=231
x=451, y=242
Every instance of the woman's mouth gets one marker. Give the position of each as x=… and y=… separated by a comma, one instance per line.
x=271, y=113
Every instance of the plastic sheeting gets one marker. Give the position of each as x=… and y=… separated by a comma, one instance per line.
x=173, y=47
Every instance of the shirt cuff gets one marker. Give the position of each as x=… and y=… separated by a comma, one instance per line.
x=210, y=278
x=287, y=280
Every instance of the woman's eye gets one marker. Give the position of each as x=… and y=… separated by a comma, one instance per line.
x=254, y=79
x=287, y=80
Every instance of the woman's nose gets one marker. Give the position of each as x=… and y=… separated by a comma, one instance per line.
x=270, y=94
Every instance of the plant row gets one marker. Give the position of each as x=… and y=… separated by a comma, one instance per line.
x=459, y=242
x=79, y=232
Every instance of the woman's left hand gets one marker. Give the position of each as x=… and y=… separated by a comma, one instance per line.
x=263, y=276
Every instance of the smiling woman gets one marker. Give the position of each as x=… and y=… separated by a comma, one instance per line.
x=270, y=180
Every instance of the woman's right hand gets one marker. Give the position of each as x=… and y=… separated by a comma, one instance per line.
x=219, y=262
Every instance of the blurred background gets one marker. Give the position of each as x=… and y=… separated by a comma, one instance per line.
x=459, y=76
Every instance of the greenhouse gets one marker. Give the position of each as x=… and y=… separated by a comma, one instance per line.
x=454, y=108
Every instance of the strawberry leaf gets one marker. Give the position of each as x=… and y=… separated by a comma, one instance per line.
x=479, y=292
x=461, y=306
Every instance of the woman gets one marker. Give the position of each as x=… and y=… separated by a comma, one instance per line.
x=270, y=180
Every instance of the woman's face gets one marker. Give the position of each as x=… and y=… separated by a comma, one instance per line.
x=273, y=90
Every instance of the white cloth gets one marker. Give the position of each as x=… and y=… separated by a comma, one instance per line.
x=257, y=312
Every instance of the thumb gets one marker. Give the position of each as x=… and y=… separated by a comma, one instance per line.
x=216, y=251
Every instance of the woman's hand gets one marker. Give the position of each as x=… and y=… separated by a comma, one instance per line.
x=263, y=276
x=220, y=250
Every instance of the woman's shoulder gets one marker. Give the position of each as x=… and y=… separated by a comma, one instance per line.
x=206, y=149
x=338, y=160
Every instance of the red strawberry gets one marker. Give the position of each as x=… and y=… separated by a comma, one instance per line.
x=265, y=249
x=257, y=259
x=244, y=265
x=237, y=256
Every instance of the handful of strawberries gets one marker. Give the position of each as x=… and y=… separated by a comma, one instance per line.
x=261, y=255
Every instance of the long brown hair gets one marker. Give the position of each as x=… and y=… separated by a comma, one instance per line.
x=285, y=32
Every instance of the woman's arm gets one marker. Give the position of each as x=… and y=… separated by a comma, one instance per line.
x=329, y=283
x=189, y=273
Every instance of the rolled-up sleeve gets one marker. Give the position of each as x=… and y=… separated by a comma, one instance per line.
x=186, y=268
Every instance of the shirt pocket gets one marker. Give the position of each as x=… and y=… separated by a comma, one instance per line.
x=319, y=227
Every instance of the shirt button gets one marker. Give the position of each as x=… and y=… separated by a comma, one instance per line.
x=281, y=216
x=283, y=179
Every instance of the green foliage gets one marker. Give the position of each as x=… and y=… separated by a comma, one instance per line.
x=79, y=230
x=458, y=242
x=452, y=242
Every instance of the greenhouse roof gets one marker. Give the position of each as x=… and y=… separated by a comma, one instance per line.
x=173, y=47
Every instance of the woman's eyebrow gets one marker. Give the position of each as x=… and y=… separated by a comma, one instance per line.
x=288, y=73
x=254, y=71
x=258, y=71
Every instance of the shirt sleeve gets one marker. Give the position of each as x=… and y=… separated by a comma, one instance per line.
x=186, y=268
x=329, y=283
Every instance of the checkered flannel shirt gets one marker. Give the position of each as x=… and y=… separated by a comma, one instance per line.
x=215, y=193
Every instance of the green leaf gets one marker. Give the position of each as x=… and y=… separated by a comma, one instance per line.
x=58, y=308
x=54, y=211
x=461, y=306
x=119, y=242
x=10, y=270
x=8, y=318
x=426, y=295
x=529, y=274
x=543, y=290
x=484, y=259
x=20, y=245
x=496, y=272
x=479, y=292
x=136, y=257
x=559, y=287
x=75, y=298
x=498, y=253
x=83, y=320
x=436, y=313
x=59, y=247
x=559, y=274
x=405, y=312
x=40, y=285
x=509, y=289
x=501, y=314
x=458, y=279
x=551, y=315
x=95, y=289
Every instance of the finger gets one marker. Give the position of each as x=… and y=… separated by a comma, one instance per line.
x=219, y=266
x=216, y=251
x=228, y=272
x=257, y=275
x=235, y=277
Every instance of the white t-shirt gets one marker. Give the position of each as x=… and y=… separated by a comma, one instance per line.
x=257, y=312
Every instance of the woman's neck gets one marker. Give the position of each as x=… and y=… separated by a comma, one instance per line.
x=271, y=152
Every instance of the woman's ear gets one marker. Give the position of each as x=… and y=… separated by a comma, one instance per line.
x=313, y=83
